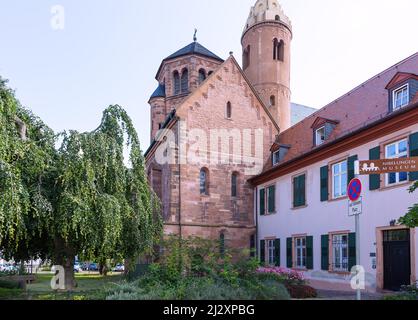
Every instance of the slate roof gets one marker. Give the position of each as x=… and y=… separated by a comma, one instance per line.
x=159, y=92
x=194, y=48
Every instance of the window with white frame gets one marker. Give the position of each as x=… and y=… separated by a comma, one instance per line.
x=270, y=252
x=276, y=157
x=401, y=97
x=396, y=150
x=340, y=252
x=339, y=179
x=300, y=252
x=319, y=136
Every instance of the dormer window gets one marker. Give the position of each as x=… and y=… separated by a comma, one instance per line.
x=401, y=97
x=278, y=152
x=320, y=136
x=322, y=130
x=276, y=157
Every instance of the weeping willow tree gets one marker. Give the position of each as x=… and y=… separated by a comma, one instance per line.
x=83, y=198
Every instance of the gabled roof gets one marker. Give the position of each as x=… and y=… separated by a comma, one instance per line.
x=400, y=77
x=171, y=118
x=321, y=120
x=194, y=48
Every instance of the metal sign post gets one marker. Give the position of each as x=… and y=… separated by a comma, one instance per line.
x=355, y=208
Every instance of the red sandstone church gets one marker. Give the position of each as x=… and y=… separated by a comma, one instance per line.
x=277, y=181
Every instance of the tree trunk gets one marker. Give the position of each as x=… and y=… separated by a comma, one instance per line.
x=103, y=268
x=65, y=256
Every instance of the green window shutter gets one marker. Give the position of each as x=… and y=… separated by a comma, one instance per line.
x=272, y=199
x=325, y=252
x=262, y=202
x=263, y=252
x=302, y=184
x=277, y=252
x=351, y=251
x=289, y=252
x=413, y=150
x=351, y=170
x=324, y=184
x=374, y=179
x=295, y=192
x=309, y=253
x=299, y=191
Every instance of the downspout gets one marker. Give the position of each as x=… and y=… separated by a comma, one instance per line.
x=179, y=171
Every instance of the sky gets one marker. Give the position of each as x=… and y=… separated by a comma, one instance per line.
x=108, y=51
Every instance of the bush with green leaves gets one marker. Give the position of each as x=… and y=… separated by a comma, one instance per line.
x=196, y=269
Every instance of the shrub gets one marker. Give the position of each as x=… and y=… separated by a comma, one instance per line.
x=301, y=291
x=288, y=276
x=9, y=284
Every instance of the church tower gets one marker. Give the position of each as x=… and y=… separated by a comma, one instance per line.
x=266, y=57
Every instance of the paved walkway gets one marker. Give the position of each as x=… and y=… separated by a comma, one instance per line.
x=344, y=295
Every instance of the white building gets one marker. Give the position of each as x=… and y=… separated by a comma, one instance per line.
x=302, y=205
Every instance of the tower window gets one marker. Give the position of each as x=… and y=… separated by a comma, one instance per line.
x=278, y=50
x=229, y=110
x=204, y=182
x=246, y=58
x=272, y=101
x=202, y=75
x=277, y=18
x=185, y=81
x=234, y=185
x=176, y=79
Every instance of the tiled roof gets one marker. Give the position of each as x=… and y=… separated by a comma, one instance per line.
x=361, y=106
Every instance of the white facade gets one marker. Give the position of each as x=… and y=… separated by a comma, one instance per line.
x=380, y=208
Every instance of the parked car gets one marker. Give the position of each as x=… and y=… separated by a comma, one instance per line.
x=77, y=267
x=93, y=267
x=119, y=268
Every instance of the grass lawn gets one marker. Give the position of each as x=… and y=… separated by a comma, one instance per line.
x=90, y=287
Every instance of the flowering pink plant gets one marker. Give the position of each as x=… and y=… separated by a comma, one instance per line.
x=287, y=274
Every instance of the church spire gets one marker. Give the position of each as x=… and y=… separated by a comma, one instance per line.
x=195, y=35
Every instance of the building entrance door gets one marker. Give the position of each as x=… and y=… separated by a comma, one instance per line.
x=396, y=259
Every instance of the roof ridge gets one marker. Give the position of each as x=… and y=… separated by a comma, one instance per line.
x=358, y=87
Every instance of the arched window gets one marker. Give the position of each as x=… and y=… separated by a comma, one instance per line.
x=234, y=185
x=222, y=243
x=277, y=18
x=204, y=181
x=176, y=79
x=185, y=81
x=246, y=58
x=272, y=101
x=229, y=110
x=275, y=49
x=202, y=75
x=281, y=50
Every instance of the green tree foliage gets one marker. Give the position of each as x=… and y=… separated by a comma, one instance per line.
x=411, y=218
x=83, y=198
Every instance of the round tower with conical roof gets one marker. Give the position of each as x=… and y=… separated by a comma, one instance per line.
x=266, y=57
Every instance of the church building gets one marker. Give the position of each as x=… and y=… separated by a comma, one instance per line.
x=232, y=159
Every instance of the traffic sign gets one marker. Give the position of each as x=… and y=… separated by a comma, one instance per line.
x=354, y=190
